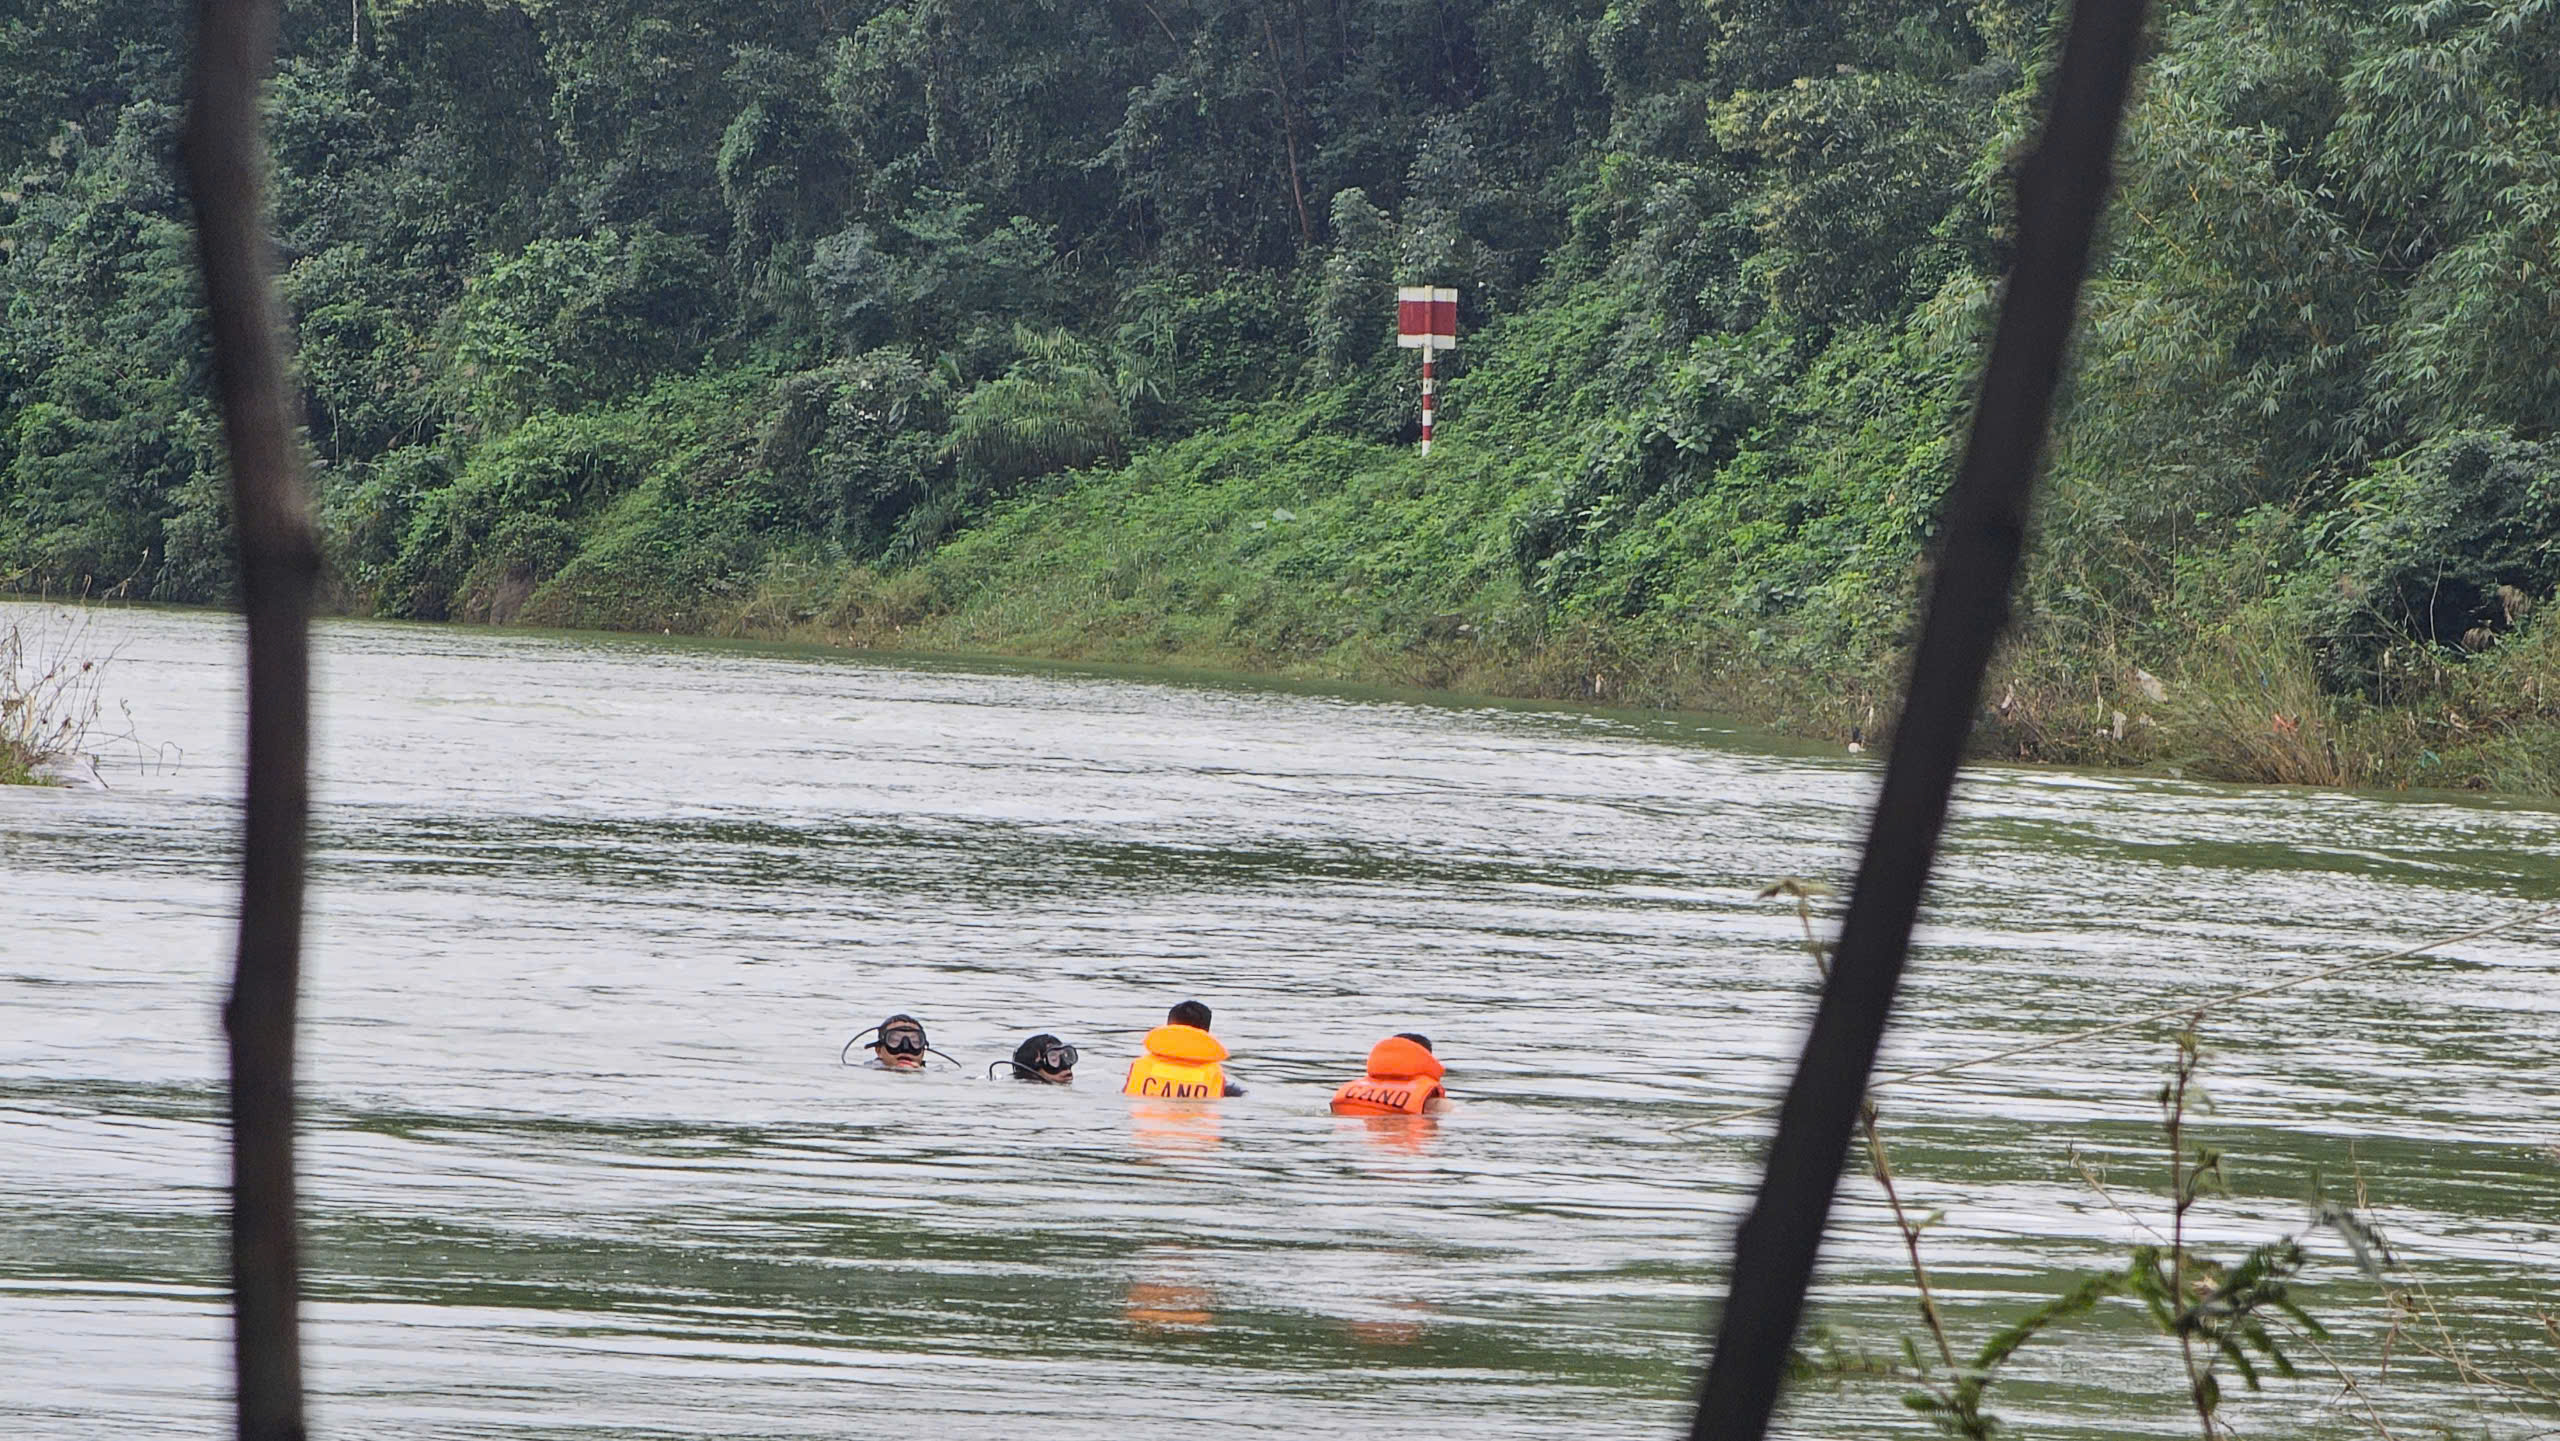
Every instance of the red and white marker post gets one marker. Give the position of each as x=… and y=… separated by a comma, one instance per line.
x=1426, y=320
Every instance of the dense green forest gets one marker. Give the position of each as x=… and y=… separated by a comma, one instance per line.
x=1066, y=328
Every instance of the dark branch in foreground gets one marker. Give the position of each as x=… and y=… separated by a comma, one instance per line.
x=2061, y=189
x=279, y=563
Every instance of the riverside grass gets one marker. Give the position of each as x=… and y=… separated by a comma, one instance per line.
x=1270, y=547
x=1369, y=566
x=50, y=676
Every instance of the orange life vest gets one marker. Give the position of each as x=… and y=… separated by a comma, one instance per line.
x=1181, y=1063
x=1403, y=1080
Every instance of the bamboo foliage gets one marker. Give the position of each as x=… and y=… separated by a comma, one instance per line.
x=1055, y=410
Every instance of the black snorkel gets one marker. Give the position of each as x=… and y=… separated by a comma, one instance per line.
x=1043, y=1058
x=900, y=1035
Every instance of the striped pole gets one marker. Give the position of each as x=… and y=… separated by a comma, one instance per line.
x=1427, y=320
x=1426, y=400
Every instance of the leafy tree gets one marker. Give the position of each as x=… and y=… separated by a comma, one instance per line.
x=786, y=171
x=1352, y=323
x=109, y=418
x=935, y=275
x=568, y=322
x=849, y=448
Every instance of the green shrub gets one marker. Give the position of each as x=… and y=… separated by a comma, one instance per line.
x=568, y=322
x=659, y=559
x=2445, y=546
x=522, y=552
x=847, y=449
x=1055, y=410
x=364, y=513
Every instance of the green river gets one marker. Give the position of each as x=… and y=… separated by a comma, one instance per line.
x=593, y=916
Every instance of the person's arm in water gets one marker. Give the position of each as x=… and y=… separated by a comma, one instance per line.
x=1233, y=1089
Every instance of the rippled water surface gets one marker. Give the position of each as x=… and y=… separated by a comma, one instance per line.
x=594, y=915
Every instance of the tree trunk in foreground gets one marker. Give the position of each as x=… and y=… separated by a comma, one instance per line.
x=2062, y=187
x=279, y=564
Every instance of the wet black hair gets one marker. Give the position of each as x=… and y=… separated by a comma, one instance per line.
x=1416, y=1037
x=1189, y=1013
x=1036, y=1059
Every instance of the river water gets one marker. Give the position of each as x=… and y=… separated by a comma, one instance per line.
x=593, y=916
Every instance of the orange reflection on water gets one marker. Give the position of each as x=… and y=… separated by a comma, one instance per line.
x=1409, y=1134
x=1392, y=1330
x=1169, y=1306
x=1174, y=1127
x=1170, y=1291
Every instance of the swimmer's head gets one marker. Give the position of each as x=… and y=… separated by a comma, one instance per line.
x=900, y=1046
x=1416, y=1037
x=1044, y=1058
x=1189, y=1013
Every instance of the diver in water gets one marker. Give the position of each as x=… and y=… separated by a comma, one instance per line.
x=1181, y=1060
x=1403, y=1080
x=1043, y=1058
x=897, y=1044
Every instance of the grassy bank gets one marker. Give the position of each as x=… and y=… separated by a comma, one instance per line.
x=1271, y=546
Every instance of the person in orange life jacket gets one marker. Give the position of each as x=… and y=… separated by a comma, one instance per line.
x=1403, y=1080
x=1181, y=1060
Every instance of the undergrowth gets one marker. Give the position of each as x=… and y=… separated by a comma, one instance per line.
x=50, y=678
x=1271, y=544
